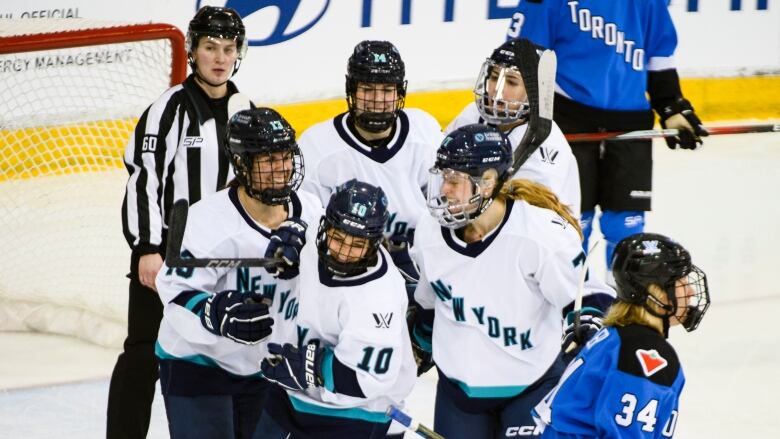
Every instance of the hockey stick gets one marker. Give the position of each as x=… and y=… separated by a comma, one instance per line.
x=580, y=291
x=407, y=421
x=177, y=222
x=238, y=102
x=541, y=99
x=652, y=134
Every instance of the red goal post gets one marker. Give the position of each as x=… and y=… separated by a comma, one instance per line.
x=105, y=35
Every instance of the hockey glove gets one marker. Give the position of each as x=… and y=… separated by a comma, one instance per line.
x=679, y=115
x=240, y=317
x=575, y=337
x=293, y=368
x=421, y=333
x=398, y=247
x=286, y=243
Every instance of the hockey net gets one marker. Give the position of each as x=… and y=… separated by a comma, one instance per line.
x=72, y=91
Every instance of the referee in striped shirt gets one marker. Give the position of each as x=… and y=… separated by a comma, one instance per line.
x=176, y=152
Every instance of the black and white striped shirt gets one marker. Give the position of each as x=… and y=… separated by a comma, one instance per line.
x=175, y=152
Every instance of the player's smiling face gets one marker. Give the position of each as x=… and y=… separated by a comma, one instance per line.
x=272, y=170
x=376, y=98
x=346, y=248
x=457, y=187
x=215, y=58
x=506, y=85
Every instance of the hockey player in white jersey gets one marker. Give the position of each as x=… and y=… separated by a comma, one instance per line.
x=500, y=263
x=377, y=141
x=216, y=320
x=352, y=357
x=501, y=100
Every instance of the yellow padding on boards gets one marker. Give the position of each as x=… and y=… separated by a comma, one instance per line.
x=99, y=146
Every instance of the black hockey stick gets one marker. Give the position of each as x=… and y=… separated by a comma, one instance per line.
x=541, y=93
x=652, y=134
x=177, y=222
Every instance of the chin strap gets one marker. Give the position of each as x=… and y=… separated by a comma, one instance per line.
x=666, y=326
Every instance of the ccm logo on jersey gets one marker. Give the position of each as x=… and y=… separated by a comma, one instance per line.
x=651, y=361
x=523, y=430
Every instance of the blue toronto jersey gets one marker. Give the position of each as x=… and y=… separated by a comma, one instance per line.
x=605, y=48
x=625, y=383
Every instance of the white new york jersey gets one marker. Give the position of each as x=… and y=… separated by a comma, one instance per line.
x=218, y=226
x=361, y=321
x=552, y=165
x=498, y=302
x=334, y=155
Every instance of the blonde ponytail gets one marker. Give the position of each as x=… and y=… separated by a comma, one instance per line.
x=538, y=195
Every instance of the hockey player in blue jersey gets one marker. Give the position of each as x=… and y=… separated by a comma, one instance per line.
x=609, y=55
x=348, y=356
x=500, y=262
x=216, y=320
x=635, y=370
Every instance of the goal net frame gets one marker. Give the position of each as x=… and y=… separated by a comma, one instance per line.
x=42, y=307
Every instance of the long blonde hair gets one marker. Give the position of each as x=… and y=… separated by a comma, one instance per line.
x=538, y=195
x=622, y=313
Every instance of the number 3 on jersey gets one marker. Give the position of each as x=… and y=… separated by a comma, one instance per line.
x=646, y=416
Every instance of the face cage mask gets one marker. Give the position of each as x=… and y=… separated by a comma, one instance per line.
x=193, y=39
x=253, y=177
x=363, y=111
x=697, y=300
x=454, y=214
x=334, y=265
x=499, y=110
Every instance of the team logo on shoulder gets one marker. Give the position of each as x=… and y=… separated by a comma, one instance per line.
x=383, y=320
x=548, y=155
x=651, y=361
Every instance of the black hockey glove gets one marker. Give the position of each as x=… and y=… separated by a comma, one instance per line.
x=286, y=243
x=293, y=368
x=679, y=114
x=240, y=317
x=574, y=338
x=398, y=247
x=421, y=334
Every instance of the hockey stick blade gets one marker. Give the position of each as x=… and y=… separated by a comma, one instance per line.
x=655, y=134
x=539, y=125
x=177, y=223
x=238, y=102
x=407, y=421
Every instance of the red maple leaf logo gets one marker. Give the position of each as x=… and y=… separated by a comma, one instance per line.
x=651, y=361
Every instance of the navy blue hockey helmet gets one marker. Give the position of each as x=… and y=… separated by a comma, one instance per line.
x=265, y=156
x=216, y=22
x=469, y=160
x=375, y=62
x=356, y=214
x=646, y=259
